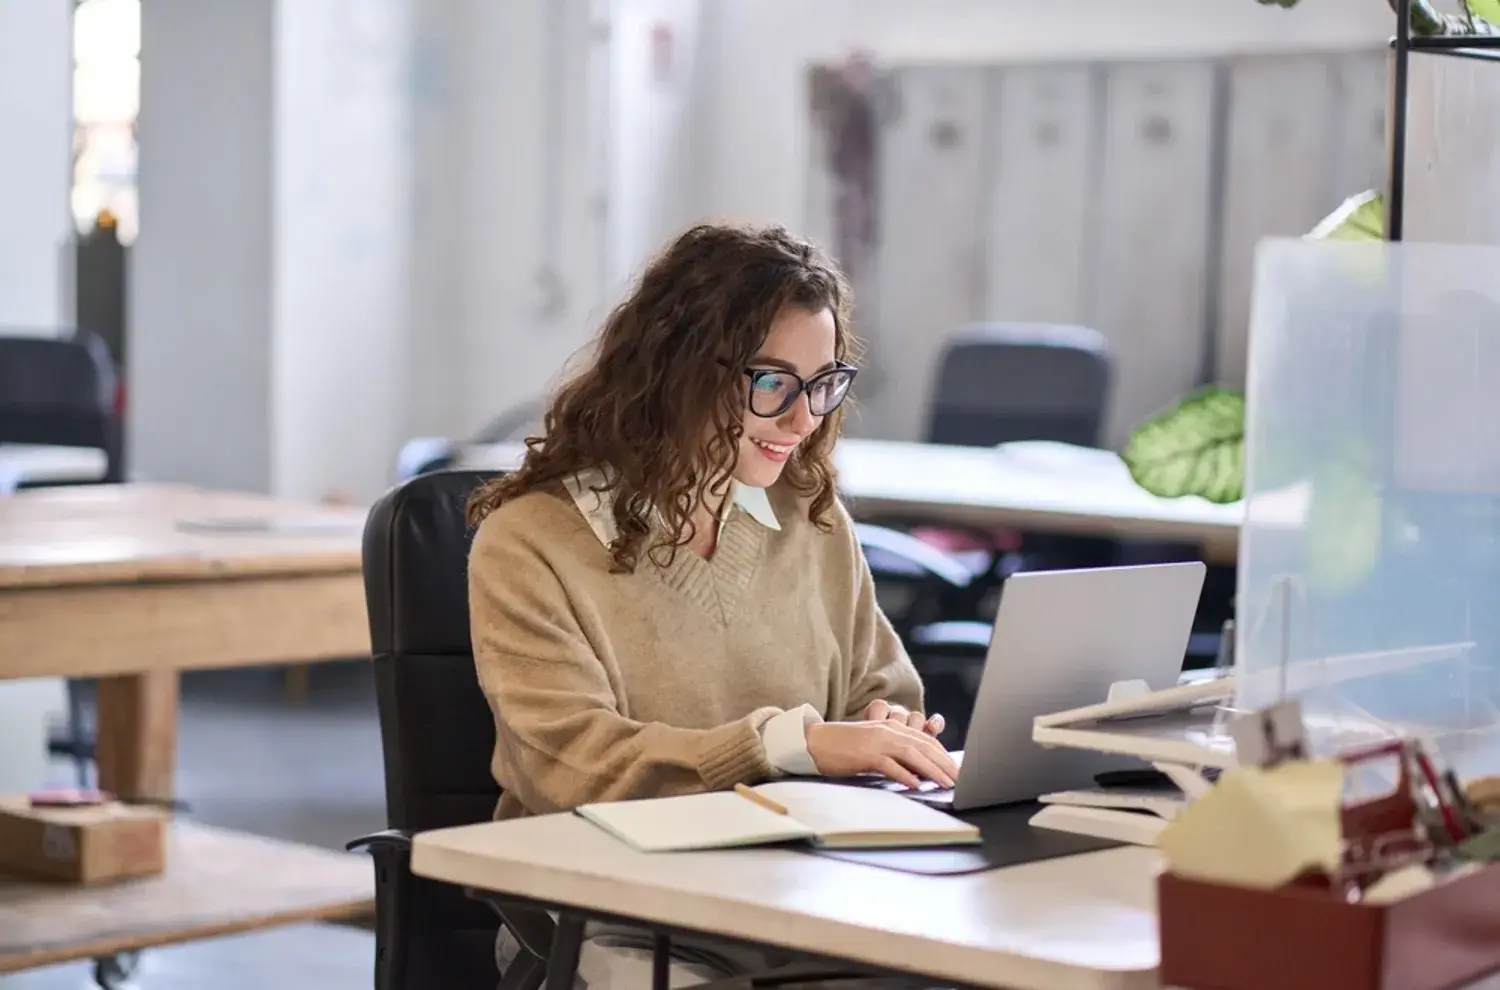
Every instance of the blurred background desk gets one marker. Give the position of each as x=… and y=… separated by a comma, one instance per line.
x=1041, y=486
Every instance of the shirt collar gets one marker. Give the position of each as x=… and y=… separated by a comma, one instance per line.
x=598, y=506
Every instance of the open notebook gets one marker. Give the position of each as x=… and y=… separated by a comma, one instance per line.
x=829, y=815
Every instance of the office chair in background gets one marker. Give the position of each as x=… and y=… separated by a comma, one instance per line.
x=999, y=382
x=995, y=383
x=1006, y=382
x=62, y=392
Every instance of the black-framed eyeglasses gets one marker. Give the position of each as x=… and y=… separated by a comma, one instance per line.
x=773, y=392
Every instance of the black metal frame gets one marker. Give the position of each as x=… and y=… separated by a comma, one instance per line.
x=560, y=957
x=550, y=950
x=1464, y=46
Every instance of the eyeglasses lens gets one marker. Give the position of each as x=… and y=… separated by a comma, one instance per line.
x=773, y=393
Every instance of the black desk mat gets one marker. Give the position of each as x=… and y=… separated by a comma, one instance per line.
x=1008, y=840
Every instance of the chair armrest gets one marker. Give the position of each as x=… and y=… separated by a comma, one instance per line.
x=391, y=840
x=391, y=852
x=926, y=557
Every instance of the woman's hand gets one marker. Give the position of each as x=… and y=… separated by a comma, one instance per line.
x=882, y=711
x=894, y=749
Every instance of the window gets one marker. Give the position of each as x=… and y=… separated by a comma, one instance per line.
x=106, y=102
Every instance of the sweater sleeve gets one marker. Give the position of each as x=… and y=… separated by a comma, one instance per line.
x=561, y=740
x=879, y=665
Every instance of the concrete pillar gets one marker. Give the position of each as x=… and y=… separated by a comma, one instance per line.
x=200, y=279
x=36, y=134
x=269, y=294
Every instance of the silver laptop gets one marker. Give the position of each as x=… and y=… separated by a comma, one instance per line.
x=1061, y=639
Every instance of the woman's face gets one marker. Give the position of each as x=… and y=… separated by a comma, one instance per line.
x=801, y=341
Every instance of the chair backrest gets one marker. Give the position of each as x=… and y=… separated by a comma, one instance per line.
x=60, y=391
x=1001, y=382
x=436, y=728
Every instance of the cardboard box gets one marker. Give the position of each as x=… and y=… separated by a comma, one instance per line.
x=85, y=845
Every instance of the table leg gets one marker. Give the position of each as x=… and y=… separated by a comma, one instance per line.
x=296, y=682
x=137, y=744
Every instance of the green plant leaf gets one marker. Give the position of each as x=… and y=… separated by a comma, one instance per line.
x=1196, y=447
x=1486, y=10
x=1427, y=20
x=1358, y=218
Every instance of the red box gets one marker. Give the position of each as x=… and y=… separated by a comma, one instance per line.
x=1222, y=937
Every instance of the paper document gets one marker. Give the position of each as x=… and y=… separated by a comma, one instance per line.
x=1261, y=826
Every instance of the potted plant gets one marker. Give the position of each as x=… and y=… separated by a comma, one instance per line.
x=1196, y=446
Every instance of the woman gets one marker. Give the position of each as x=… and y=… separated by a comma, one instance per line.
x=667, y=597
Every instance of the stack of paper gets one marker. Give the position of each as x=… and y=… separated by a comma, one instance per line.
x=1260, y=826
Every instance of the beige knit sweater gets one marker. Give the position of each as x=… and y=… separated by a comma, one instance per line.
x=613, y=686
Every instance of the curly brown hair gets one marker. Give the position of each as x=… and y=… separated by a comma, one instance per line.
x=668, y=369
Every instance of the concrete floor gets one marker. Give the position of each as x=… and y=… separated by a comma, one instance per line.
x=249, y=759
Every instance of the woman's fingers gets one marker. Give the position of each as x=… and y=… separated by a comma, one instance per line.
x=942, y=758
x=923, y=754
x=925, y=766
x=892, y=769
x=883, y=711
x=889, y=747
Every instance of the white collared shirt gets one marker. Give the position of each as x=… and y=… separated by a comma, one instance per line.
x=784, y=735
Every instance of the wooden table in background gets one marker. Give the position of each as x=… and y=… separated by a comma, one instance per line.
x=218, y=882
x=133, y=584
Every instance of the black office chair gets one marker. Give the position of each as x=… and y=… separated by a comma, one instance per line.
x=999, y=382
x=62, y=392
x=1006, y=382
x=438, y=735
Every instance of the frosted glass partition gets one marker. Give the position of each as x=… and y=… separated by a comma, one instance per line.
x=1369, y=575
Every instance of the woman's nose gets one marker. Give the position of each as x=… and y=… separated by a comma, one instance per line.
x=800, y=419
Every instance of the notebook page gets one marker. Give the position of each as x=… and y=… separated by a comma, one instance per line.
x=720, y=820
x=835, y=809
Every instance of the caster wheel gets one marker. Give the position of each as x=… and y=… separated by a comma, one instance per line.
x=115, y=972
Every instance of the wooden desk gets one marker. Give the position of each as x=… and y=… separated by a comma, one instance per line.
x=1079, y=923
x=117, y=582
x=218, y=882
x=1038, y=486
x=104, y=581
